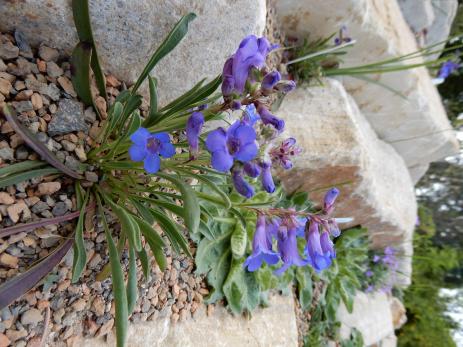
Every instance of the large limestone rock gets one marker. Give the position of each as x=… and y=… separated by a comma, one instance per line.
x=271, y=326
x=128, y=32
x=372, y=317
x=341, y=149
x=419, y=14
x=417, y=125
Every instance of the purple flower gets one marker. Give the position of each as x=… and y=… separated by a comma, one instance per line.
x=238, y=143
x=283, y=154
x=268, y=118
x=270, y=80
x=447, y=68
x=330, y=198
x=333, y=228
x=369, y=289
x=261, y=247
x=193, y=129
x=342, y=38
x=250, y=115
x=252, y=169
x=241, y=186
x=251, y=53
x=287, y=246
x=266, y=177
x=376, y=258
x=318, y=258
x=147, y=147
x=327, y=245
x=285, y=86
x=369, y=273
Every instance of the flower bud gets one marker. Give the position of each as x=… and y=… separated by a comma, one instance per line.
x=270, y=80
x=285, y=86
x=241, y=186
x=251, y=169
x=266, y=177
x=268, y=118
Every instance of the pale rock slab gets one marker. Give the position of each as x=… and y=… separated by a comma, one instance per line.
x=444, y=12
x=128, y=32
x=419, y=14
x=371, y=316
x=417, y=125
x=341, y=149
x=272, y=326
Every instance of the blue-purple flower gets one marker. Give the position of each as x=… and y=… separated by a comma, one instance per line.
x=268, y=118
x=270, y=80
x=193, y=129
x=287, y=246
x=319, y=259
x=250, y=115
x=241, y=185
x=252, y=169
x=330, y=198
x=342, y=38
x=236, y=143
x=447, y=68
x=285, y=86
x=261, y=247
x=282, y=154
x=148, y=147
x=266, y=177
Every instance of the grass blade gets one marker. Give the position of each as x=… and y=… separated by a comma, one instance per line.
x=132, y=290
x=145, y=263
x=190, y=202
x=21, y=167
x=153, y=114
x=35, y=144
x=17, y=178
x=80, y=255
x=83, y=25
x=80, y=71
x=120, y=296
x=171, y=41
x=19, y=285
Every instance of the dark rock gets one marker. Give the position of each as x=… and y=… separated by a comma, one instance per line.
x=21, y=41
x=23, y=106
x=40, y=207
x=59, y=209
x=21, y=153
x=69, y=118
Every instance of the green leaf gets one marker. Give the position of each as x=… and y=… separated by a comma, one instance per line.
x=171, y=41
x=80, y=255
x=84, y=31
x=145, y=263
x=128, y=225
x=135, y=123
x=238, y=241
x=190, y=202
x=79, y=194
x=80, y=71
x=21, y=167
x=114, y=117
x=21, y=177
x=304, y=287
x=132, y=290
x=120, y=296
x=153, y=114
x=241, y=288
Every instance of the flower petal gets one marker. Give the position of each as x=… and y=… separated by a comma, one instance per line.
x=167, y=149
x=163, y=137
x=137, y=153
x=221, y=161
x=152, y=163
x=140, y=136
x=247, y=152
x=245, y=133
x=216, y=140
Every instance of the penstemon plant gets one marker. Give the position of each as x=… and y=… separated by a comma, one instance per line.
x=146, y=170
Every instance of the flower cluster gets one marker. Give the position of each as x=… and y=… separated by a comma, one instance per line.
x=446, y=69
x=342, y=37
x=286, y=227
x=380, y=273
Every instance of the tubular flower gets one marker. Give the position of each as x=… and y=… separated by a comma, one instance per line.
x=252, y=169
x=287, y=246
x=241, y=186
x=148, y=147
x=270, y=80
x=318, y=258
x=327, y=245
x=285, y=86
x=250, y=115
x=193, y=129
x=266, y=177
x=261, y=247
x=236, y=143
x=268, y=118
x=447, y=68
x=283, y=154
x=330, y=198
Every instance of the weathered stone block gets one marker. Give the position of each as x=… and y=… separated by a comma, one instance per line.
x=341, y=149
x=128, y=32
x=271, y=326
x=371, y=316
x=419, y=14
x=415, y=123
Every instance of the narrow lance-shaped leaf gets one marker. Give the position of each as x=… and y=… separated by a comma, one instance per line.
x=120, y=296
x=35, y=144
x=172, y=231
x=83, y=25
x=23, y=176
x=80, y=255
x=171, y=41
x=21, y=167
x=132, y=290
x=190, y=203
x=17, y=286
x=145, y=262
x=80, y=72
x=153, y=114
